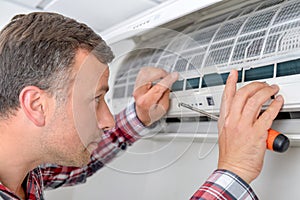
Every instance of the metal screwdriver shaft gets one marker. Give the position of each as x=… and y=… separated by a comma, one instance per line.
x=276, y=141
x=214, y=117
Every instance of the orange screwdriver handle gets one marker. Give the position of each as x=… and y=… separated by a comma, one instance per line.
x=277, y=141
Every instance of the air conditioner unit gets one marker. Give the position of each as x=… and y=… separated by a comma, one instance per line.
x=203, y=42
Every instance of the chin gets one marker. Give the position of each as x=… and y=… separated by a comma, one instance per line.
x=82, y=161
x=85, y=159
x=76, y=161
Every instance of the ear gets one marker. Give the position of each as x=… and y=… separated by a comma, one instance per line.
x=33, y=102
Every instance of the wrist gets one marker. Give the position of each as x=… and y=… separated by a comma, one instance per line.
x=243, y=173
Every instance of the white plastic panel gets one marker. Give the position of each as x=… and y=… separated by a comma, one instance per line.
x=260, y=36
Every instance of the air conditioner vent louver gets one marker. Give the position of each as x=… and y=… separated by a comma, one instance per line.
x=261, y=40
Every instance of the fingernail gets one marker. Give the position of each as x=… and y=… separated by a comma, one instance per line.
x=275, y=86
x=279, y=98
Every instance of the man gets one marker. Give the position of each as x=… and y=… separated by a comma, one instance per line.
x=54, y=76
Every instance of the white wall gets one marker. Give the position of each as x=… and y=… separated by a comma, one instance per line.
x=278, y=180
x=180, y=175
x=8, y=10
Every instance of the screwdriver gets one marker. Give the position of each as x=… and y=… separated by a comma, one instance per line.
x=276, y=141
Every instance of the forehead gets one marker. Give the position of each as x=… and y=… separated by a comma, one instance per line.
x=87, y=62
x=90, y=72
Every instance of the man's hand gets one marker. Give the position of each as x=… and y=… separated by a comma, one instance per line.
x=242, y=130
x=152, y=100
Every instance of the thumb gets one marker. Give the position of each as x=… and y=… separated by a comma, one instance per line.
x=168, y=81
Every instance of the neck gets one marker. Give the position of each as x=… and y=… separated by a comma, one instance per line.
x=12, y=177
x=17, y=158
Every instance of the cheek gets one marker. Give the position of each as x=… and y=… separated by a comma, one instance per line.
x=70, y=136
x=66, y=131
x=61, y=142
x=85, y=122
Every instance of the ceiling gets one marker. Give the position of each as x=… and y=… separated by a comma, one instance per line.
x=99, y=14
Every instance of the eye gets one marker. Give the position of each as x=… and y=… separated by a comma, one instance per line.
x=98, y=98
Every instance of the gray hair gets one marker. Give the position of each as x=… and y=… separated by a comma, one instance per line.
x=39, y=49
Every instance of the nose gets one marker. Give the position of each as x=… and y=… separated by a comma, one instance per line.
x=106, y=120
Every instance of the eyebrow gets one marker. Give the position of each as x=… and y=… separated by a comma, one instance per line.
x=104, y=88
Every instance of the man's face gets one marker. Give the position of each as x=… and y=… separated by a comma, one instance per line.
x=81, y=122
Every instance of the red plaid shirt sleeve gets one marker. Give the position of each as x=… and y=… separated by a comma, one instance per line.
x=125, y=133
x=224, y=185
x=221, y=184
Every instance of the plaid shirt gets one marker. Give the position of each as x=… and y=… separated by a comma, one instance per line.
x=223, y=185
x=220, y=185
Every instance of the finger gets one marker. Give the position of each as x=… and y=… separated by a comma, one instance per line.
x=254, y=104
x=267, y=117
x=161, y=108
x=241, y=97
x=149, y=74
x=142, y=89
x=165, y=101
x=228, y=94
x=157, y=91
x=168, y=80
